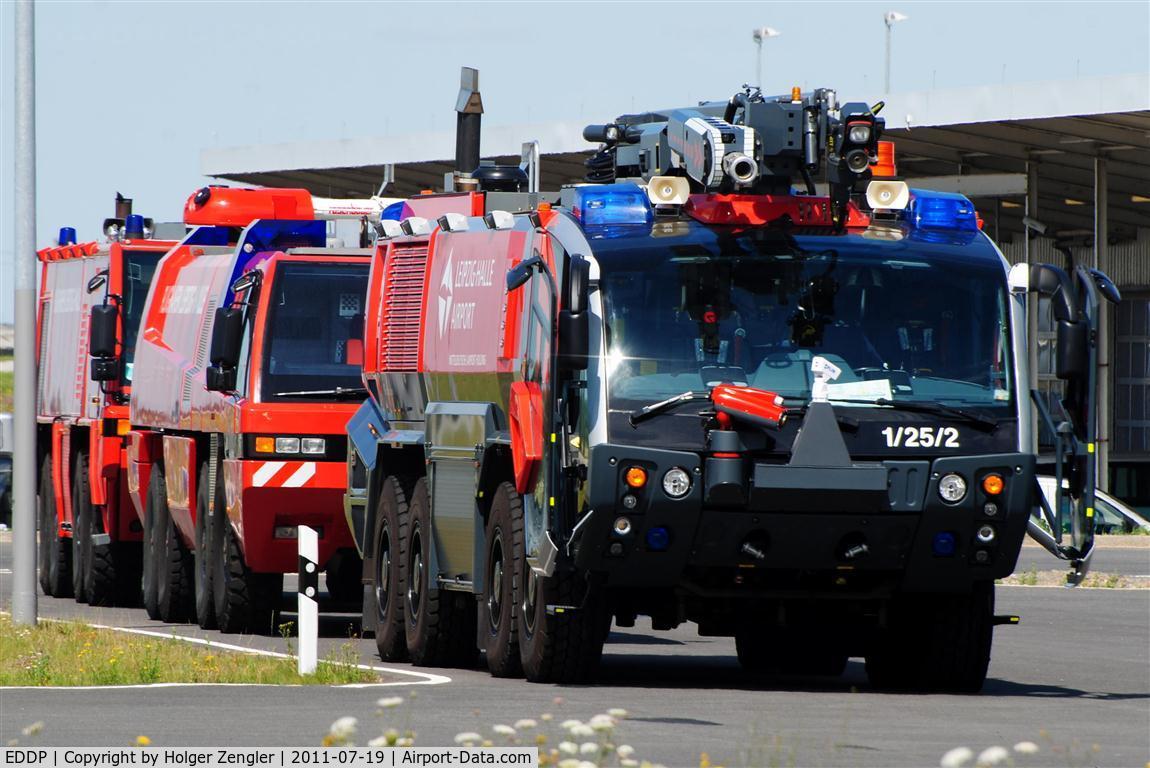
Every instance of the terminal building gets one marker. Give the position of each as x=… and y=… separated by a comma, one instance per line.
x=1059, y=172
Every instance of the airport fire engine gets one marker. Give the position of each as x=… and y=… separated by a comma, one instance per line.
x=695, y=392
x=247, y=369
x=88, y=541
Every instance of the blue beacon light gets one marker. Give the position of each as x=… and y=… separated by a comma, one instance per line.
x=941, y=210
x=67, y=236
x=610, y=204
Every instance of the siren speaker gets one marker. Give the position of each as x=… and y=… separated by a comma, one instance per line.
x=668, y=190
x=888, y=195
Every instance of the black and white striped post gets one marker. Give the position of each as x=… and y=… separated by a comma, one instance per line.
x=308, y=609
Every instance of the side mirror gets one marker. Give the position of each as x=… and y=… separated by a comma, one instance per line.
x=227, y=337
x=578, y=280
x=574, y=340
x=521, y=272
x=1072, y=355
x=102, y=331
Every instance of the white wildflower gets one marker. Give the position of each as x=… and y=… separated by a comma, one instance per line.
x=957, y=757
x=587, y=764
x=33, y=729
x=569, y=724
x=618, y=713
x=468, y=737
x=582, y=731
x=547, y=717
x=602, y=722
x=992, y=756
x=503, y=730
x=589, y=748
x=1026, y=748
x=344, y=728
x=525, y=724
x=625, y=751
x=406, y=741
x=628, y=762
x=568, y=747
x=569, y=763
x=389, y=702
x=378, y=741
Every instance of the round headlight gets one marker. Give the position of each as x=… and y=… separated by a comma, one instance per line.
x=859, y=134
x=676, y=483
x=952, y=488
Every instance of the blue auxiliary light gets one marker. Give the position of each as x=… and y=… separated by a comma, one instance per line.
x=608, y=204
x=67, y=236
x=134, y=227
x=658, y=539
x=941, y=210
x=393, y=212
x=944, y=544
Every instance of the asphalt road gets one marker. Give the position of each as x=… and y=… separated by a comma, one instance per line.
x=1108, y=558
x=1077, y=668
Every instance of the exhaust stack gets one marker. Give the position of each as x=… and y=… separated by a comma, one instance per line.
x=469, y=115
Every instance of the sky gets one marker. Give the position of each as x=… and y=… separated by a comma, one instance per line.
x=129, y=93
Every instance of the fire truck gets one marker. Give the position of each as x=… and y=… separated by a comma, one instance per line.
x=88, y=541
x=702, y=388
x=246, y=371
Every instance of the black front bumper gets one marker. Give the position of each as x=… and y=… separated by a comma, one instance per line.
x=767, y=527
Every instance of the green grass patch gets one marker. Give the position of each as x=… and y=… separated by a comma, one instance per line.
x=6, y=384
x=69, y=653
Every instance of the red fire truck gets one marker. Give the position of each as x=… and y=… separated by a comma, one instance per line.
x=247, y=369
x=694, y=392
x=88, y=543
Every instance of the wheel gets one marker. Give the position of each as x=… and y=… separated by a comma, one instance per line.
x=109, y=578
x=391, y=514
x=936, y=642
x=152, y=544
x=201, y=566
x=81, y=529
x=500, y=633
x=245, y=601
x=790, y=652
x=440, y=623
x=174, y=588
x=344, y=577
x=55, y=551
x=559, y=647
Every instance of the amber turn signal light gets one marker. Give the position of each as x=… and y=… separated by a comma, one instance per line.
x=265, y=445
x=993, y=484
x=636, y=477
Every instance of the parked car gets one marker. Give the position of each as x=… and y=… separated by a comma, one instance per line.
x=6, y=469
x=1110, y=514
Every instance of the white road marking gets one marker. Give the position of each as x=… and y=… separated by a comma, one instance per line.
x=301, y=475
x=266, y=472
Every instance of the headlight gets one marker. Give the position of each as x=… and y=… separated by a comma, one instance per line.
x=313, y=445
x=287, y=445
x=952, y=488
x=676, y=483
x=859, y=134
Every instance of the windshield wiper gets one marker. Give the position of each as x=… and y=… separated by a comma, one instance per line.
x=337, y=392
x=654, y=409
x=938, y=409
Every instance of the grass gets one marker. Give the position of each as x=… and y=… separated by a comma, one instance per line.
x=68, y=653
x=1095, y=579
x=6, y=384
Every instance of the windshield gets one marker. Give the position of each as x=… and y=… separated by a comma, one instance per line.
x=314, y=337
x=139, y=266
x=901, y=321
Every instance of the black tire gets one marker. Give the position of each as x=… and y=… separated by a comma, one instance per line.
x=201, y=559
x=504, y=537
x=936, y=643
x=561, y=647
x=82, y=529
x=440, y=623
x=55, y=550
x=386, y=582
x=771, y=650
x=245, y=601
x=174, y=589
x=153, y=541
x=344, y=578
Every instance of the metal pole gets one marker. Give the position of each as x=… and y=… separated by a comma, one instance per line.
x=1101, y=261
x=886, y=79
x=759, y=61
x=1031, y=210
x=24, y=404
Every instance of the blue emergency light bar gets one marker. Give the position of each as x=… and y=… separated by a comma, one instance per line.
x=612, y=204
x=941, y=210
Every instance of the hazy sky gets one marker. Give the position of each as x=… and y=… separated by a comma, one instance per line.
x=129, y=93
